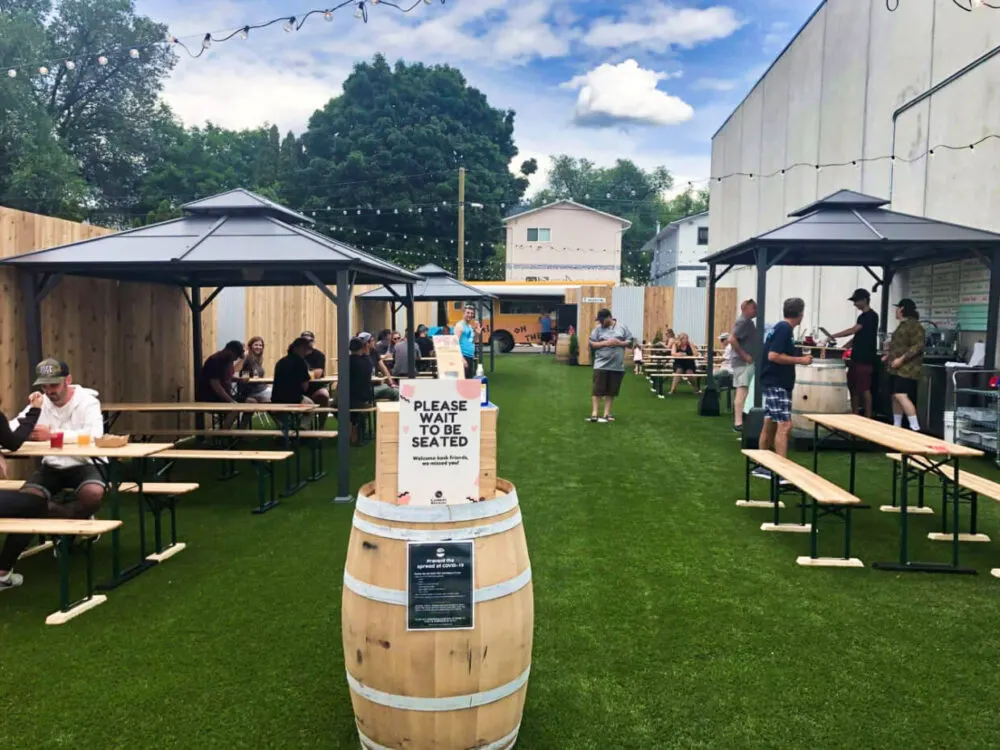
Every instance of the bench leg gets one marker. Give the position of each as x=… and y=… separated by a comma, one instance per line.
x=264, y=503
x=776, y=525
x=946, y=536
x=157, y=506
x=316, y=461
x=747, y=502
x=814, y=560
x=119, y=576
x=68, y=610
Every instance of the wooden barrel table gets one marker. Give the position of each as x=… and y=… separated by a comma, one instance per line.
x=820, y=388
x=437, y=689
x=562, y=347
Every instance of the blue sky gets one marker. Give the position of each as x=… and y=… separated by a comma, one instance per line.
x=603, y=79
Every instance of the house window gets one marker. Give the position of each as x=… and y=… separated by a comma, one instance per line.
x=539, y=235
x=702, y=235
x=701, y=281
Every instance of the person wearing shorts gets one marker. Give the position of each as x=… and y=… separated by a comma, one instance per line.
x=608, y=343
x=864, y=351
x=742, y=355
x=777, y=379
x=546, y=323
x=906, y=360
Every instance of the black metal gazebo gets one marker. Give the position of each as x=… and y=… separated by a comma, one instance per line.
x=232, y=239
x=852, y=229
x=437, y=286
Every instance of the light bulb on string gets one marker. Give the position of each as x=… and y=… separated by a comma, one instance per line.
x=12, y=73
x=43, y=71
x=244, y=33
x=102, y=60
x=360, y=12
x=289, y=25
x=70, y=65
x=133, y=53
x=328, y=15
x=206, y=43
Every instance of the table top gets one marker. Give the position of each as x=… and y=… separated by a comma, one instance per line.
x=897, y=439
x=131, y=450
x=327, y=380
x=195, y=406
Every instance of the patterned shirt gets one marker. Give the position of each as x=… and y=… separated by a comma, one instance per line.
x=908, y=341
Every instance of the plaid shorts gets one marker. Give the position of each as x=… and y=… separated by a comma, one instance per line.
x=777, y=404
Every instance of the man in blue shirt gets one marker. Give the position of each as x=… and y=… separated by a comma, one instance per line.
x=777, y=378
x=467, y=330
x=546, y=323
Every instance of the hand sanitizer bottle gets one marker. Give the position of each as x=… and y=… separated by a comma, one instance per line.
x=484, y=386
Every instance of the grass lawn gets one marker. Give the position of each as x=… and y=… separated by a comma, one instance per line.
x=664, y=617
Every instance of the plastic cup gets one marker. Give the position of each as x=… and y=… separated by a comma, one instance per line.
x=83, y=439
x=56, y=440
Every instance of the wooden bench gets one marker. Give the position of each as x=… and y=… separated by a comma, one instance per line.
x=971, y=486
x=157, y=497
x=263, y=462
x=240, y=433
x=826, y=499
x=64, y=531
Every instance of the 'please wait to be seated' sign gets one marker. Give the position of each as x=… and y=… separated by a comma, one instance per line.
x=439, y=442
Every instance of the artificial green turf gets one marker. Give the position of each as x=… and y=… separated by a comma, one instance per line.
x=663, y=616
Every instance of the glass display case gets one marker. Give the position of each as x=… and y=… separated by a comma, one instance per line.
x=976, y=410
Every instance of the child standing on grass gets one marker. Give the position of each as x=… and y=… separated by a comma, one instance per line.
x=637, y=358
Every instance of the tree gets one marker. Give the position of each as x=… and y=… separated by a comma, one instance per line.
x=392, y=145
x=102, y=110
x=623, y=190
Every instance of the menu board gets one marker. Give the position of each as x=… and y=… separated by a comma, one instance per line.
x=450, y=363
x=952, y=294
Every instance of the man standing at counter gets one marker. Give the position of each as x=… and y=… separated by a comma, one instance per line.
x=864, y=352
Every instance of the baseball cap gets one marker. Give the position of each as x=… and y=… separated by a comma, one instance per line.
x=51, y=372
x=308, y=335
x=859, y=294
x=603, y=314
x=365, y=336
x=356, y=344
x=907, y=304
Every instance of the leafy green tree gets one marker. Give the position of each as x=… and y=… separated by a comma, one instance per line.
x=393, y=142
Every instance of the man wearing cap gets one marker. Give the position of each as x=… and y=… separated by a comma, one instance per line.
x=608, y=343
x=384, y=391
x=316, y=361
x=906, y=360
x=72, y=410
x=864, y=352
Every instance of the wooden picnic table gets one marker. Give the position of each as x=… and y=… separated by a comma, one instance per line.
x=940, y=456
x=110, y=472
x=204, y=407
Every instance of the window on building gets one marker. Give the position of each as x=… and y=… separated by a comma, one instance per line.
x=702, y=235
x=539, y=235
x=701, y=281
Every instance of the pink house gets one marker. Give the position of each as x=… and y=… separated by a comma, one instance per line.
x=564, y=240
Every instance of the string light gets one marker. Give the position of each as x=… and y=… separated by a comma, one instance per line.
x=967, y=5
x=289, y=23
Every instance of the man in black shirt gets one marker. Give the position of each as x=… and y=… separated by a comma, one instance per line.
x=864, y=352
x=777, y=378
x=291, y=374
x=316, y=360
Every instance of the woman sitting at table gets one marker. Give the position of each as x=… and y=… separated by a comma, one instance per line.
x=18, y=504
x=253, y=367
x=684, y=353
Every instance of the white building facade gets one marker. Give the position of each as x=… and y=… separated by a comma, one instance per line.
x=857, y=85
x=564, y=241
x=677, y=251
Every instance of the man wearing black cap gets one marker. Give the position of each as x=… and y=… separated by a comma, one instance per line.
x=864, y=352
x=316, y=360
x=608, y=343
x=905, y=360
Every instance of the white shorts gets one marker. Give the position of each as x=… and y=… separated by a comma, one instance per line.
x=742, y=375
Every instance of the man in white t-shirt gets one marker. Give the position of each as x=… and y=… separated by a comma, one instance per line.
x=72, y=410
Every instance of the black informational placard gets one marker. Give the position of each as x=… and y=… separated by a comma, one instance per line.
x=439, y=586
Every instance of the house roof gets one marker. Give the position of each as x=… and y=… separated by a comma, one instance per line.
x=438, y=285
x=566, y=201
x=235, y=238
x=670, y=228
x=848, y=228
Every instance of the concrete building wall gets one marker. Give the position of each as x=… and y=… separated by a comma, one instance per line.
x=829, y=98
x=583, y=246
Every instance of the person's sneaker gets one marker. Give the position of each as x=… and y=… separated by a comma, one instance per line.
x=602, y=420
x=11, y=580
x=761, y=473
x=737, y=428
x=591, y=419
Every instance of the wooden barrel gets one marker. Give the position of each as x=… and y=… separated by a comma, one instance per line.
x=820, y=388
x=440, y=689
x=562, y=348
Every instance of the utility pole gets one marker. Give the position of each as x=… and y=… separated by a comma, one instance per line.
x=461, y=223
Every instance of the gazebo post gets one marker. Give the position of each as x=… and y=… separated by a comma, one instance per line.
x=197, y=348
x=343, y=388
x=883, y=321
x=758, y=393
x=411, y=345
x=32, y=322
x=442, y=313
x=492, y=323
x=993, y=311
x=710, y=346
x=392, y=307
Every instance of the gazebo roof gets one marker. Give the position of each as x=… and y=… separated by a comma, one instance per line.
x=437, y=286
x=236, y=238
x=852, y=229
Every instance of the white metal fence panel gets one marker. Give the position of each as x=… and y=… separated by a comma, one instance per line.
x=690, y=309
x=628, y=304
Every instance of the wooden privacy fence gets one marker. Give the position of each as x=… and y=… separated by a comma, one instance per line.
x=130, y=342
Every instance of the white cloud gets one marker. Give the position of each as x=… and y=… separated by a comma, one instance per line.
x=715, y=84
x=659, y=27
x=626, y=93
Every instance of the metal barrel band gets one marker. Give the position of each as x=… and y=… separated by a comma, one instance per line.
x=398, y=597
x=437, y=535
x=504, y=742
x=449, y=703
x=437, y=513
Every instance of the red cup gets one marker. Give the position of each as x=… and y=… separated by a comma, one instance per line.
x=56, y=440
